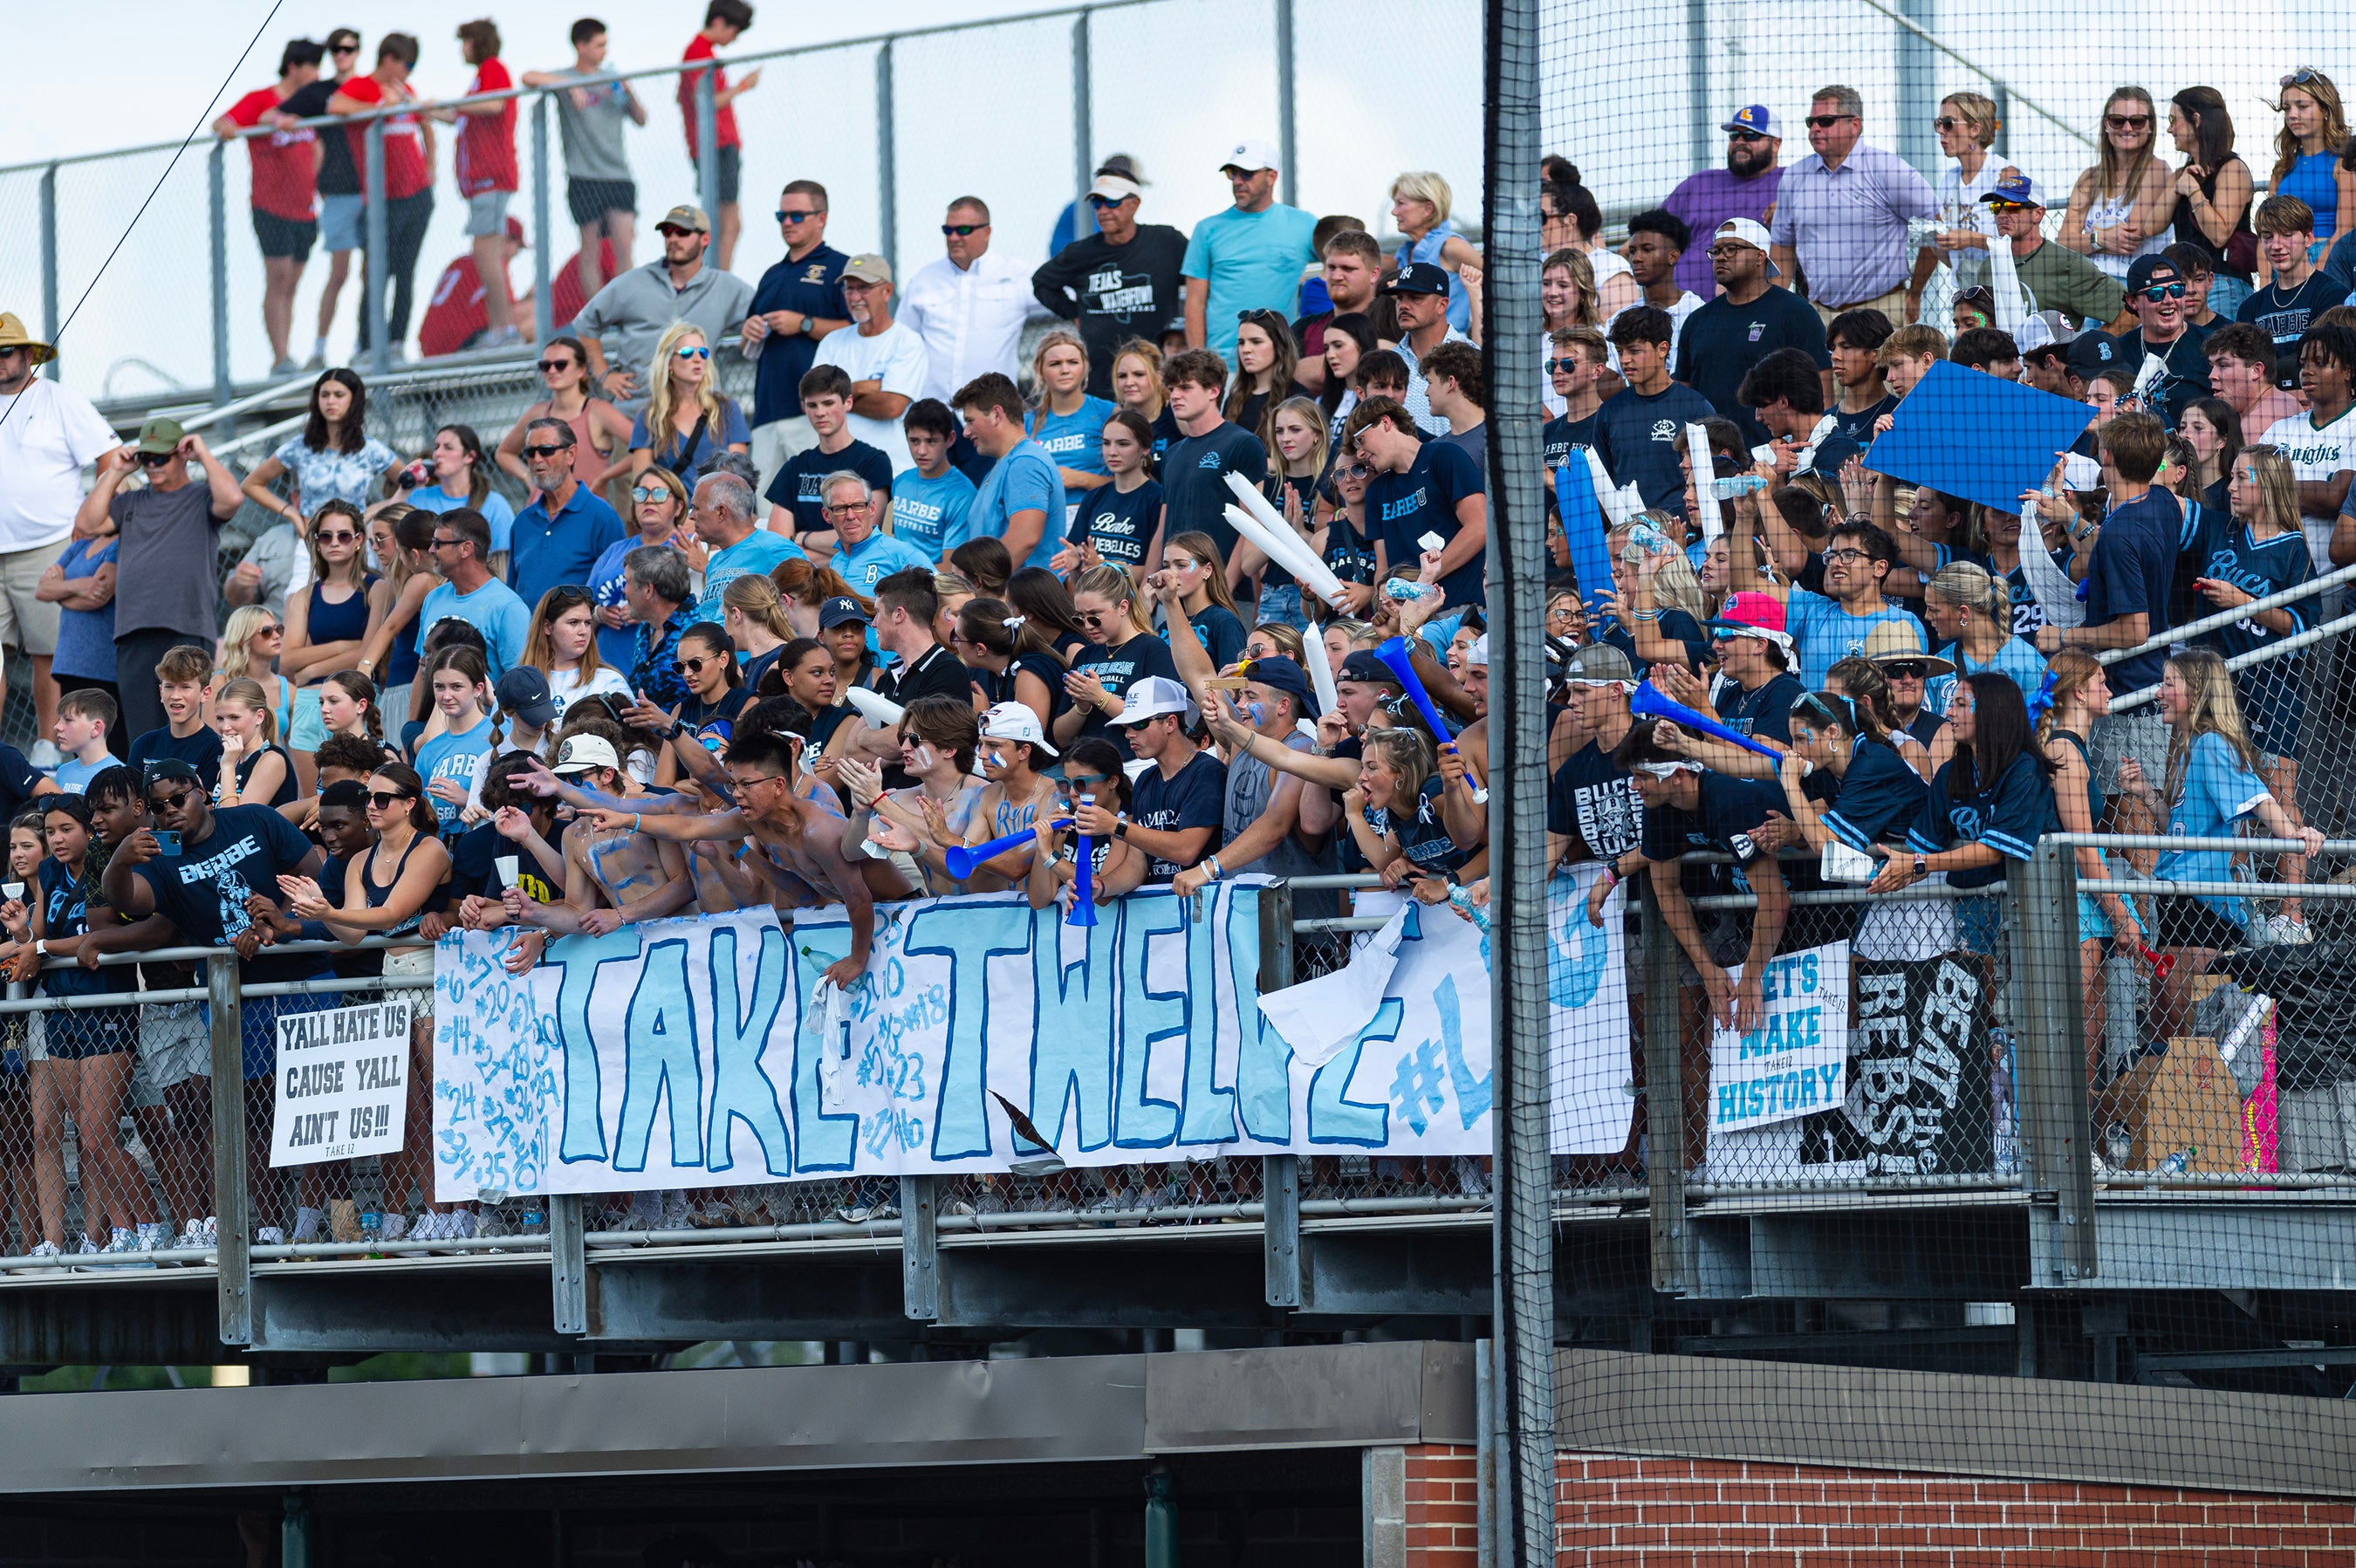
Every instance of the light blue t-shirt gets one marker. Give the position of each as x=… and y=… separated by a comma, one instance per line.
x=757, y=553
x=1074, y=440
x=2216, y=792
x=494, y=509
x=492, y=610
x=1827, y=634
x=455, y=758
x=874, y=558
x=1252, y=260
x=2016, y=659
x=74, y=775
x=1024, y=480
x=926, y=512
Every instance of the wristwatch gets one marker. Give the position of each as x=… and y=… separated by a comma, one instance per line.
x=1921, y=866
x=808, y=325
x=1121, y=828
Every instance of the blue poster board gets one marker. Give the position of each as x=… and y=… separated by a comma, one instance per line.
x=1967, y=433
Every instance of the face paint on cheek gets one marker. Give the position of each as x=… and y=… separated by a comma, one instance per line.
x=1256, y=711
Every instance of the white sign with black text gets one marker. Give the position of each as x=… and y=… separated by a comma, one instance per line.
x=343, y=1084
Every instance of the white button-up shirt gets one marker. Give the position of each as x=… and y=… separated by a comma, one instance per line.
x=970, y=318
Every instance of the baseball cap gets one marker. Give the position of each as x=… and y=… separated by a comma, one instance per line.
x=1753, y=233
x=167, y=768
x=1418, y=277
x=2046, y=334
x=2143, y=270
x=523, y=692
x=581, y=753
x=1753, y=615
x=1251, y=155
x=1113, y=187
x=839, y=610
x=686, y=215
x=1891, y=643
x=160, y=435
x=515, y=229
x=1757, y=119
x=868, y=267
x=1362, y=666
x=1478, y=654
x=1599, y=664
x=1286, y=676
x=2013, y=185
x=2093, y=351
x=1015, y=721
x=1154, y=697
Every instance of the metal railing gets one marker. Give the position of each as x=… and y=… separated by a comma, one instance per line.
x=901, y=144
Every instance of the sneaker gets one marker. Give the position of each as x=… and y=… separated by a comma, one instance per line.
x=676, y=1215
x=960, y=1207
x=2285, y=930
x=318, y=359
x=285, y=366
x=853, y=1214
x=396, y=1227
x=270, y=1236
x=213, y=1231
x=44, y=754
x=1154, y=1201
x=426, y=1226
x=884, y=1211
x=155, y=1237
x=47, y=1250
x=457, y=1224
x=1471, y=1178
x=119, y=1241
x=990, y=1200
x=307, y=1223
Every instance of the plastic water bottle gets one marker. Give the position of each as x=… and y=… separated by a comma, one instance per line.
x=1739, y=485
x=371, y=1227
x=2177, y=1162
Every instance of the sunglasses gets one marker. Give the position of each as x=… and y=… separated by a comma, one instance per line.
x=550, y=367
x=1745, y=136
x=1358, y=470
x=2160, y=290
x=695, y=666
x=343, y=48
x=545, y=449
x=2009, y=205
x=1092, y=617
x=385, y=800
x=274, y=630
x=1566, y=363
x=802, y=216
x=168, y=801
x=1105, y=203
x=442, y=544
x=962, y=230
x=2299, y=78
x=1138, y=727
x=672, y=231
x=339, y=536
x=691, y=351
x=1945, y=122
x=2127, y=122
x=648, y=493
x=1827, y=121
x=156, y=459
x=1905, y=670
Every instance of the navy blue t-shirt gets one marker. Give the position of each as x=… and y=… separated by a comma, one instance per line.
x=1563, y=434
x=2135, y=559
x=65, y=913
x=1722, y=820
x=1424, y=839
x=1117, y=668
x=796, y=487
x=1120, y=526
x=203, y=889
x=201, y=751
x=1880, y=797
x=813, y=287
x=19, y=778
x=1638, y=436
x=2009, y=818
x=1677, y=626
x=1195, y=492
x=1402, y=508
x=1221, y=632
x=1766, y=713
x=1595, y=798
x=1349, y=555
x=1197, y=798
x=1722, y=340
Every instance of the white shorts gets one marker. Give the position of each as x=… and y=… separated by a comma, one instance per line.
x=25, y=623
x=174, y=1045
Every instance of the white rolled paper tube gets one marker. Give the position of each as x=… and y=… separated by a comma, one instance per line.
x=880, y=712
x=1296, y=556
x=508, y=867
x=2004, y=278
x=1705, y=473
x=1313, y=574
x=1321, y=678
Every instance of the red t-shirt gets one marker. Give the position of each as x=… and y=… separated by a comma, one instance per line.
x=486, y=150
x=723, y=118
x=283, y=160
x=406, y=171
x=565, y=292
x=455, y=311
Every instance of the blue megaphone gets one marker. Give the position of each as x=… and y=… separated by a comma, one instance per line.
x=1648, y=703
x=963, y=860
x=1083, y=890
x=1396, y=656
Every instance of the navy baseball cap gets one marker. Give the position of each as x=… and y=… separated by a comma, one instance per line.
x=2143, y=271
x=1364, y=667
x=523, y=692
x=1285, y=675
x=1418, y=277
x=839, y=610
x=2015, y=186
x=1757, y=119
x=2092, y=351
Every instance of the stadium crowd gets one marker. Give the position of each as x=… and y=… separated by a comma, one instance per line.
x=653, y=652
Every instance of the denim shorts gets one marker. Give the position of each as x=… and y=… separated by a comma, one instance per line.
x=340, y=219
x=1281, y=604
x=486, y=213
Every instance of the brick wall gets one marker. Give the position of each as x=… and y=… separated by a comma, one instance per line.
x=1618, y=1512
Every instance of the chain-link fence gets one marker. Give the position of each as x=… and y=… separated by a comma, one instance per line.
x=896, y=127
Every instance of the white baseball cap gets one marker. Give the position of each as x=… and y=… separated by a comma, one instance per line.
x=1753, y=233
x=1477, y=655
x=1251, y=155
x=1153, y=696
x=1015, y=721
x=583, y=752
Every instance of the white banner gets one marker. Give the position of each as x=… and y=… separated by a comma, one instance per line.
x=1793, y=1066
x=683, y=1053
x=1588, y=1038
x=343, y=1084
